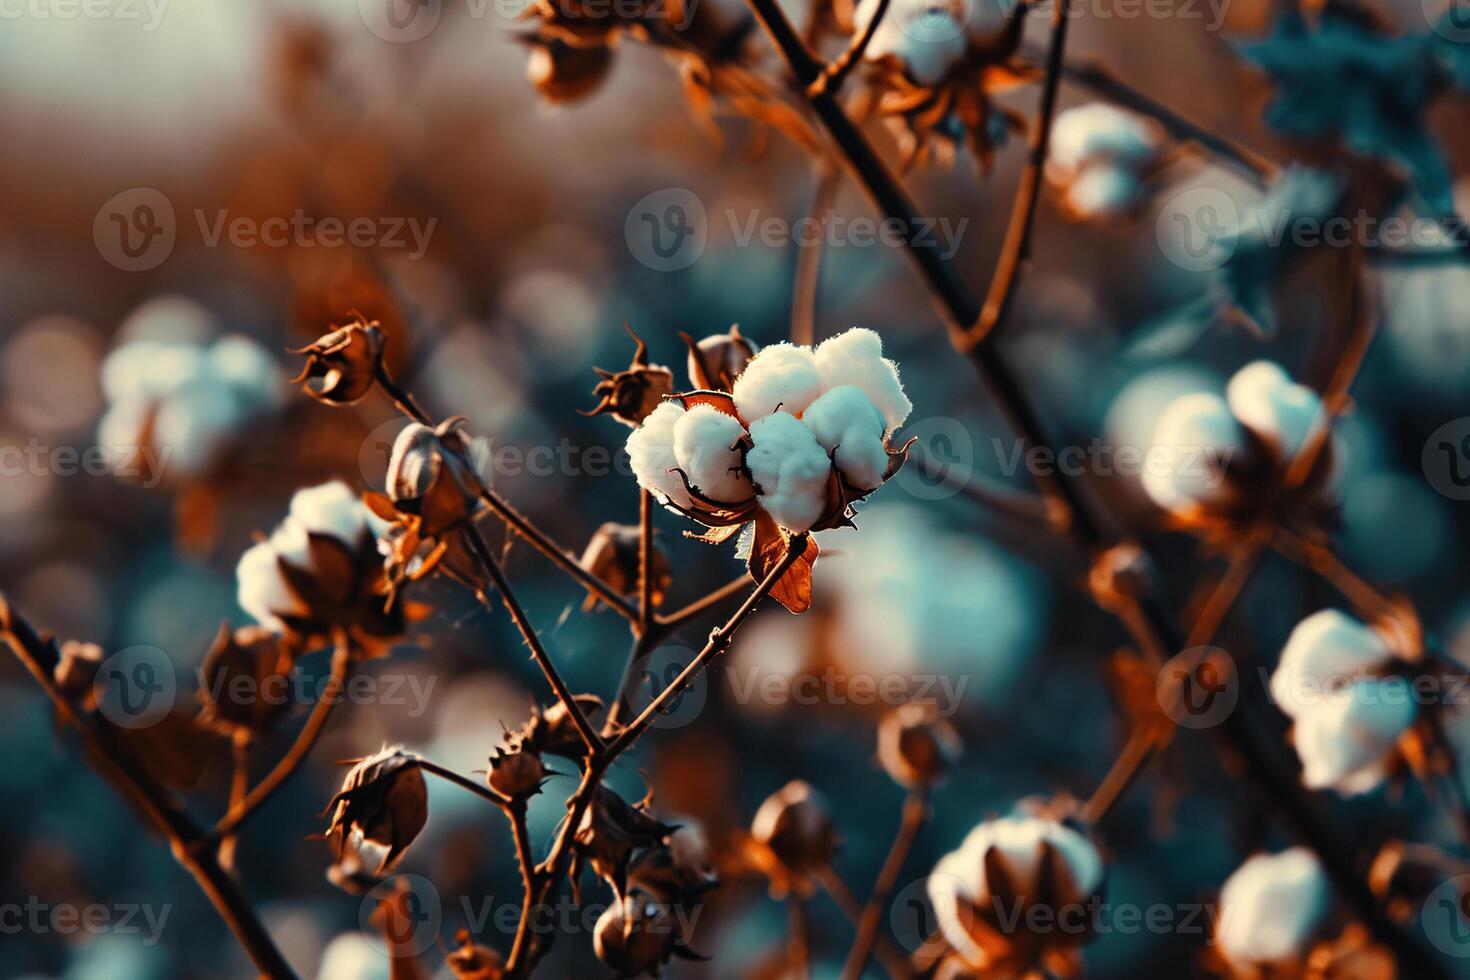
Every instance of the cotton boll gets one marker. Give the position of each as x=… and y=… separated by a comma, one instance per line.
x=330, y=509
x=192, y=424
x=149, y=369
x=855, y=357
x=1344, y=738
x=848, y=425
x=1196, y=436
x=781, y=376
x=1102, y=191
x=927, y=36
x=242, y=363
x=706, y=444
x=262, y=590
x=651, y=454
x=1325, y=649
x=1276, y=408
x=791, y=470
x=1271, y=905
x=1098, y=131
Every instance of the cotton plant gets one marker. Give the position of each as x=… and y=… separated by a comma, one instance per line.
x=1271, y=912
x=801, y=435
x=1099, y=159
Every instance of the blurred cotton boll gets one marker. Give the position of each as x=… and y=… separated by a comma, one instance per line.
x=176, y=405
x=1270, y=907
x=1195, y=435
x=1098, y=156
x=50, y=371
x=351, y=956
x=927, y=37
x=913, y=597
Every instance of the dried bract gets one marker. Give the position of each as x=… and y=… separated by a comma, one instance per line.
x=383, y=801
x=612, y=554
x=342, y=366
x=631, y=394
x=241, y=670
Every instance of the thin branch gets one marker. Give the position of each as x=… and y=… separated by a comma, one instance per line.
x=300, y=749
x=115, y=764
x=464, y=782
x=719, y=640
x=809, y=257
x=239, y=786
x=915, y=813
x=667, y=624
x=646, y=610
x=894, y=962
x=522, y=834
x=1141, y=748
x=836, y=72
x=1015, y=251
x=481, y=550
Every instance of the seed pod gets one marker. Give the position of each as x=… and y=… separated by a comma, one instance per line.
x=612, y=555
x=640, y=933
x=632, y=394
x=346, y=360
x=916, y=746
x=793, y=838
x=516, y=773
x=717, y=360
x=429, y=477
x=683, y=867
x=383, y=801
x=245, y=677
x=611, y=829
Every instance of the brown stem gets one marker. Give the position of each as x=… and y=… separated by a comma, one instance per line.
x=719, y=640
x=667, y=624
x=1322, y=560
x=646, y=610
x=1097, y=77
x=799, y=940
x=522, y=834
x=809, y=257
x=836, y=72
x=1140, y=749
x=464, y=782
x=239, y=786
x=300, y=749
x=115, y=764
x=895, y=964
x=915, y=812
x=481, y=550
x=1016, y=249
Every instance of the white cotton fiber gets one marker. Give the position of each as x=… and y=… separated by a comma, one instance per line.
x=651, y=454
x=791, y=469
x=706, y=444
x=856, y=358
x=1196, y=436
x=1276, y=408
x=848, y=425
x=781, y=376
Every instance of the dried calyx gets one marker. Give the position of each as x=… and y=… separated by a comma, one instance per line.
x=342, y=366
x=253, y=660
x=631, y=394
x=383, y=802
x=612, y=829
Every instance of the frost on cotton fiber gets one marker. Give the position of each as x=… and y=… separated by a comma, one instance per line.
x=802, y=433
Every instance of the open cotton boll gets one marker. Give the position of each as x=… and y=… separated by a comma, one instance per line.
x=1103, y=191
x=706, y=444
x=241, y=362
x=1344, y=738
x=848, y=425
x=1196, y=436
x=1271, y=905
x=192, y=425
x=148, y=368
x=855, y=357
x=927, y=36
x=791, y=470
x=1324, y=650
x=651, y=454
x=1276, y=408
x=261, y=588
x=782, y=376
x=1098, y=131
x=331, y=509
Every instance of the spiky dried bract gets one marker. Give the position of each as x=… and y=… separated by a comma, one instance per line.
x=552, y=730
x=516, y=772
x=717, y=360
x=631, y=395
x=611, y=830
x=384, y=802
x=346, y=362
